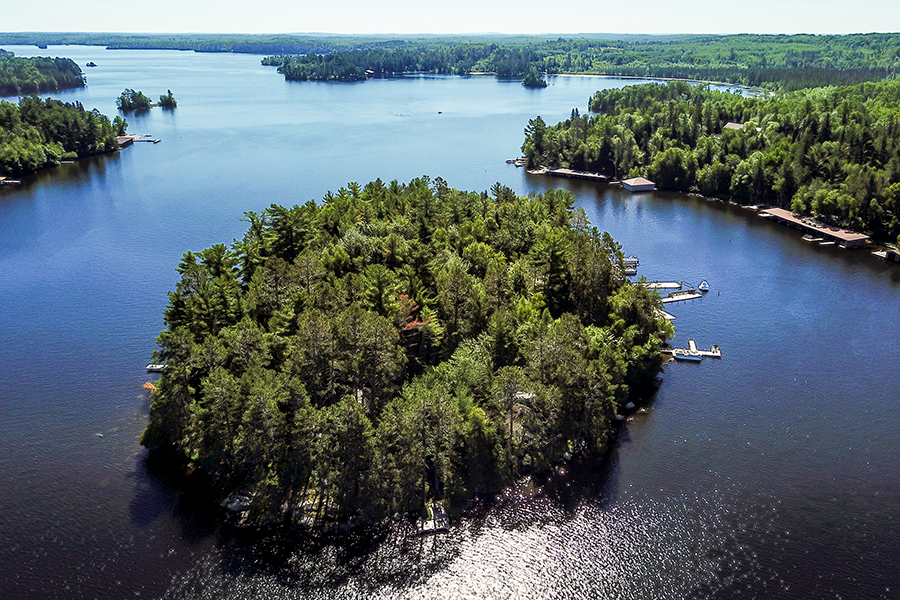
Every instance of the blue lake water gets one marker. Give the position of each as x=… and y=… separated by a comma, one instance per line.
x=771, y=473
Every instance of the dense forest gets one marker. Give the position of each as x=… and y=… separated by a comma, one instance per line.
x=399, y=343
x=36, y=134
x=23, y=76
x=833, y=152
x=786, y=62
x=776, y=62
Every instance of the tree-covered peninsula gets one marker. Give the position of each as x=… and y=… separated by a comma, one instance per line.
x=397, y=344
x=36, y=134
x=22, y=76
x=831, y=152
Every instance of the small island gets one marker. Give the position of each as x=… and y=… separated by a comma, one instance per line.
x=398, y=345
x=533, y=79
x=134, y=101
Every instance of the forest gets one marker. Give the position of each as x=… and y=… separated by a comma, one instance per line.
x=36, y=134
x=399, y=343
x=23, y=76
x=832, y=152
x=783, y=62
x=774, y=62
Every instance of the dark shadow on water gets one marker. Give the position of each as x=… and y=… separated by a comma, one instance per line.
x=163, y=490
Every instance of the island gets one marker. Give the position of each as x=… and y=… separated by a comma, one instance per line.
x=36, y=134
x=825, y=152
x=134, y=101
x=23, y=76
x=397, y=345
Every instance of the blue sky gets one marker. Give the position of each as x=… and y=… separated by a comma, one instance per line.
x=451, y=16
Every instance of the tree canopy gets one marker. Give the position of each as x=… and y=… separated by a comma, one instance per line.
x=399, y=343
x=831, y=152
x=22, y=76
x=36, y=134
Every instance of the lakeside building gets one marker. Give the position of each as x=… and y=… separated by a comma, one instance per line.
x=638, y=184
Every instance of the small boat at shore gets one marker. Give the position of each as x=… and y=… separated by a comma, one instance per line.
x=686, y=356
x=155, y=368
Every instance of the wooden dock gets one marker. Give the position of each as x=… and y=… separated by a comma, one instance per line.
x=713, y=352
x=664, y=285
x=570, y=174
x=682, y=296
x=438, y=523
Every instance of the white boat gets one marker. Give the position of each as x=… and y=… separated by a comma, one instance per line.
x=704, y=286
x=155, y=368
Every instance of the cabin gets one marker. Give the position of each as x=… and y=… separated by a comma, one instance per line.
x=638, y=184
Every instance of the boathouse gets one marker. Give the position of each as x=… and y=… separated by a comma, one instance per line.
x=125, y=140
x=638, y=184
x=842, y=237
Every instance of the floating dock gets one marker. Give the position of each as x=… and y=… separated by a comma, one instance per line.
x=664, y=285
x=713, y=352
x=570, y=174
x=690, y=294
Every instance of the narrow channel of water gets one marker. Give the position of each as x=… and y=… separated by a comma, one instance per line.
x=769, y=473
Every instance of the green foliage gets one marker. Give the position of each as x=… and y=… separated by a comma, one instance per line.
x=398, y=343
x=533, y=79
x=831, y=152
x=167, y=100
x=21, y=76
x=36, y=134
x=772, y=61
x=132, y=101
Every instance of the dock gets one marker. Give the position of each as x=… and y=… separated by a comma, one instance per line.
x=690, y=294
x=713, y=352
x=664, y=285
x=832, y=235
x=438, y=523
x=570, y=174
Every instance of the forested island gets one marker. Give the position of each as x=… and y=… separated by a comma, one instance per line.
x=36, y=134
x=397, y=344
x=135, y=101
x=832, y=152
x=22, y=76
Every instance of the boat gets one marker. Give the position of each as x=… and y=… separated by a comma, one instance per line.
x=91, y=64
x=155, y=368
x=632, y=261
x=630, y=271
x=686, y=356
x=704, y=286
x=811, y=238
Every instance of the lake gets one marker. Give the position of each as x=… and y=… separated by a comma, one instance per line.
x=771, y=473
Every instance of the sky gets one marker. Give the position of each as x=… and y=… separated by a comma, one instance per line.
x=451, y=16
